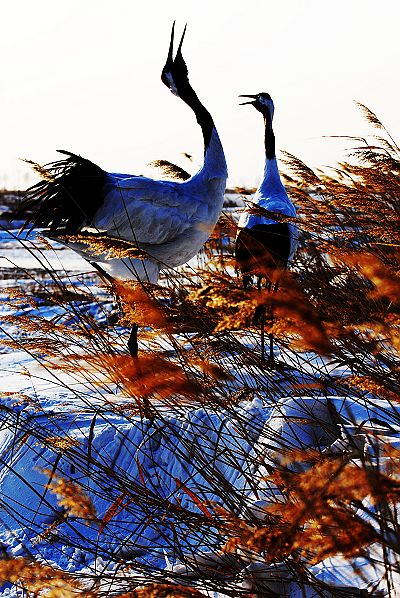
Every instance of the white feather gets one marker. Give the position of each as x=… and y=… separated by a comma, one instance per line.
x=271, y=195
x=169, y=220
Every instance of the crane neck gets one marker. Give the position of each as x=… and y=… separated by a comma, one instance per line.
x=269, y=138
x=203, y=117
x=271, y=182
x=214, y=160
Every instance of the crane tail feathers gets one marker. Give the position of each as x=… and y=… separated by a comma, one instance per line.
x=68, y=196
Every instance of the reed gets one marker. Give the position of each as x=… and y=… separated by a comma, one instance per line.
x=243, y=509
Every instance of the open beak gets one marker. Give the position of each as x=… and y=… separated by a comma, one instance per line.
x=179, y=51
x=253, y=97
x=170, y=60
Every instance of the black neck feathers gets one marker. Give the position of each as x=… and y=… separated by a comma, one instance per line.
x=269, y=138
x=203, y=117
x=186, y=92
x=175, y=76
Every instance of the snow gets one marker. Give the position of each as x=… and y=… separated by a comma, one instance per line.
x=186, y=457
x=28, y=254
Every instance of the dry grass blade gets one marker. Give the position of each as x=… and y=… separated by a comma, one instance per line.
x=375, y=387
x=140, y=305
x=185, y=451
x=370, y=116
x=71, y=497
x=112, y=247
x=164, y=590
x=385, y=281
x=318, y=520
x=301, y=170
x=41, y=580
x=44, y=174
x=170, y=169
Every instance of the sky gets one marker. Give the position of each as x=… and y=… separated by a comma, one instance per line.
x=84, y=76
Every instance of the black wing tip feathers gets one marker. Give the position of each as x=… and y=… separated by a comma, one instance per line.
x=262, y=248
x=69, y=200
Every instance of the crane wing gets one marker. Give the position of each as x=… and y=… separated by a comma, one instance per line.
x=145, y=211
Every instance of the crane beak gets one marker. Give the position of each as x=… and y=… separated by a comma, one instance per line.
x=179, y=51
x=175, y=69
x=253, y=97
x=170, y=60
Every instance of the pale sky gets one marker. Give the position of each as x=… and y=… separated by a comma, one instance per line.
x=84, y=75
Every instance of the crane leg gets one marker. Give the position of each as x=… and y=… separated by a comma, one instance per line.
x=271, y=289
x=271, y=346
x=145, y=408
x=271, y=342
x=271, y=337
x=133, y=342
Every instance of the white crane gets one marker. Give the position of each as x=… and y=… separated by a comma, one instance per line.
x=169, y=221
x=264, y=246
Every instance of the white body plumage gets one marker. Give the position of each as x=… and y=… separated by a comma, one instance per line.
x=168, y=220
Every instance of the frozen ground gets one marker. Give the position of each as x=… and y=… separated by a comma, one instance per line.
x=65, y=424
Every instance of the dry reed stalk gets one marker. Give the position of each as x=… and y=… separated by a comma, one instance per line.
x=339, y=305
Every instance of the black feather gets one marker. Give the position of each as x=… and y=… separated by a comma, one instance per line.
x=68, y=198
x=262, y=249
x=177, y=69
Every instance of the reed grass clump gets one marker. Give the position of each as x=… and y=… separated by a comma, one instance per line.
x=208, y=497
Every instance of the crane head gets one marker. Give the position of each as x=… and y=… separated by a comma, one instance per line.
x=261, y=102
x=175, y=73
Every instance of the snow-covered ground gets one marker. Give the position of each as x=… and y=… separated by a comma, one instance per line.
x=56, y=423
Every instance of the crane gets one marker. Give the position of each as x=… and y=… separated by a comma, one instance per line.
x=265, y=246
x=167, y=221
